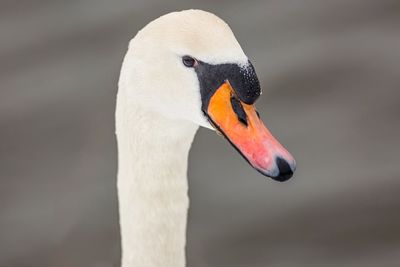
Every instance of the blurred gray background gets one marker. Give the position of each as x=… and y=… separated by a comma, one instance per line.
x=331, y=77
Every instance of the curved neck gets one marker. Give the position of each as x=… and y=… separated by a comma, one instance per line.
x=152, y=185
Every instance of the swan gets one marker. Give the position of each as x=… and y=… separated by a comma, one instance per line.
x=181, y=71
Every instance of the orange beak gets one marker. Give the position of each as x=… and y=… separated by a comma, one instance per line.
x=241, y=125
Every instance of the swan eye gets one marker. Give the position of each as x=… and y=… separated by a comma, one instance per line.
x=189, y=61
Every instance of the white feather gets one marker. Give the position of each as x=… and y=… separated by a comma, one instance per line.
x=158, y=113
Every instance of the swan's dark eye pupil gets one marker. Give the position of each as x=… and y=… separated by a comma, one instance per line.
x=188, y=61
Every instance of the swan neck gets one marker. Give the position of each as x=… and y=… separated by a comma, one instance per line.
x=152, y=186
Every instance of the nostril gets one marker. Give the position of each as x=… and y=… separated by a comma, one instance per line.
x=285, y=172
x=238, y=109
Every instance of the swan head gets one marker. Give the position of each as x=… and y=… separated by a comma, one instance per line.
x=188, y=66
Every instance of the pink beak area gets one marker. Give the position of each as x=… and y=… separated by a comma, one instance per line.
x=241, y=125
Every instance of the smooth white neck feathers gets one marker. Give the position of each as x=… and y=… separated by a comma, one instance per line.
x=152, y=186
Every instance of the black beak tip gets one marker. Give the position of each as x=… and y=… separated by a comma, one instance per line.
x=283, y=177
x=285, y=171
